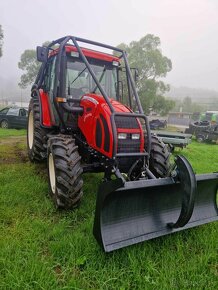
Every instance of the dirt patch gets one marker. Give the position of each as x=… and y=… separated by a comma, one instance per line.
x=13, y=150
x=13, y=139
x=21, y=152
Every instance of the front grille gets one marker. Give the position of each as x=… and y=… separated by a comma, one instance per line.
x=128, y=145
x=126, y=122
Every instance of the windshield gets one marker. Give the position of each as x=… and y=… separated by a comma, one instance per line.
x=80, y=82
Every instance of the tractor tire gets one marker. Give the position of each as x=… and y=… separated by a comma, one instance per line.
x=65, y=172
x=159, y=163
x=36, y=135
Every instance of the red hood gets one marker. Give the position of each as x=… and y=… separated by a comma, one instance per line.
x=118, y=107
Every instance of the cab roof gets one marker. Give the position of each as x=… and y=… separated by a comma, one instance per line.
x=89, y=53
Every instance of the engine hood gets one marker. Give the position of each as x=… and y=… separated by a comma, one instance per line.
x=98, y=99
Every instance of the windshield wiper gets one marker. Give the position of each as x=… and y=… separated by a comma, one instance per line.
x=78, y=75
x=100, y=79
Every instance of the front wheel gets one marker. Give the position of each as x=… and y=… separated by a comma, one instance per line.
x=4, y=124
x=159, y=163
x=65, y=172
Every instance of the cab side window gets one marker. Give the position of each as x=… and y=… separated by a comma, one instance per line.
x=50, y=76
x=23, y=113
x=48, y=85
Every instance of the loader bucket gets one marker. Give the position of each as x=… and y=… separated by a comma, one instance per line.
x=132, y=212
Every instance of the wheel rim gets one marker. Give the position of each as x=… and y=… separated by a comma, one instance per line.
x=30, y=129
x=52, y=176
x=200, y=139
x=4, y=124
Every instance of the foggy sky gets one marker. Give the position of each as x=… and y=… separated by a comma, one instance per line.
x=188, y=30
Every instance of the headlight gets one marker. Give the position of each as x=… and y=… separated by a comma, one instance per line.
x=122, y=135
x=135, y=136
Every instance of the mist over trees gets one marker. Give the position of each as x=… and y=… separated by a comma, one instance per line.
x=146, y=56
x=187, y=105
x=153, y=66
x=1, y=40
x=29, y=64
x=193, y=99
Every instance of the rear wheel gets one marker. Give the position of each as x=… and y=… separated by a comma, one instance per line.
x=4, y=124
x=200, y=138
x=160, y=158
x=65, y=172
x=36, y=135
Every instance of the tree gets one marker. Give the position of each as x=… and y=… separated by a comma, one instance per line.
x=1, y=40
x=186, y=105
x=191, y=107
x=152, y=65
x=29, y=64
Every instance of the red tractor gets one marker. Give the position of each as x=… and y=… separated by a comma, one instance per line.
x=85, y=116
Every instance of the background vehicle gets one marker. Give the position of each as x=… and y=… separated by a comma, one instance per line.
x=157, y=124
x=210, y=116
x=174, y=139
x=13, y=117
x=81, y=121
x=208, y=134
x=197, y=127
x=202, y=122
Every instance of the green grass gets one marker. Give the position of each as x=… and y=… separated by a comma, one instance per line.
x=41, y=248
x=11, y=132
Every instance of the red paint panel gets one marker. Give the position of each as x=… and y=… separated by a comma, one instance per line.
x=89, y=53
x=45, y=109
x=87, y=122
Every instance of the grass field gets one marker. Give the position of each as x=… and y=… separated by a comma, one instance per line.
x=41, y=248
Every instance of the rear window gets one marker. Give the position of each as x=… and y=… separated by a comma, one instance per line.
x=13, y=112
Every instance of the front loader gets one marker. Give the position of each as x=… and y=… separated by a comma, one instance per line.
x=85, y=116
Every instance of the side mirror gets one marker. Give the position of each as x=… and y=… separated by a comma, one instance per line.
x=42, y=53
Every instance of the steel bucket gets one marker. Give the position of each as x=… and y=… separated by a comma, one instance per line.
x=141, y=210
